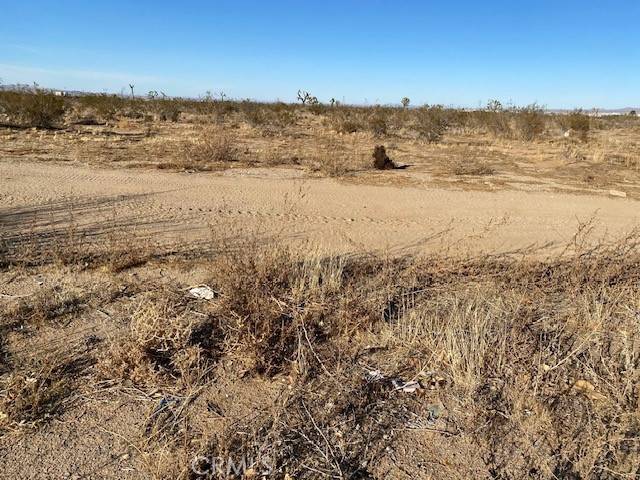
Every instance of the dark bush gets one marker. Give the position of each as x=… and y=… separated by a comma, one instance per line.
x=530, y=122
x=34, y=109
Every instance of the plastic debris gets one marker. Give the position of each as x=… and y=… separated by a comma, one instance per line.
x=405, y=387
x=203, y=292
x=374, y=375
x=617, y=193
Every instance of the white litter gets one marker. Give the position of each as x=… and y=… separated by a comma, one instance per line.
x=406, y=387
x=617, y=193
x=203, y=292
x=374, y=375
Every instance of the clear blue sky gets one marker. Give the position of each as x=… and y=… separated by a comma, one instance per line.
x=560, y=53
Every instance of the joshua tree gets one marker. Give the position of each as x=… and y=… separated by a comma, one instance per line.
x=306, y=97
x=222, y=95
x=152, y=94
x=131, y=87
x=333, y=102
x=405, y=102
x=494, y=106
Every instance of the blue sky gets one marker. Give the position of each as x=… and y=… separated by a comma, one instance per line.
x=562, y=54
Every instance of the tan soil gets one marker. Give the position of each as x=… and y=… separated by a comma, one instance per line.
x=334, y=215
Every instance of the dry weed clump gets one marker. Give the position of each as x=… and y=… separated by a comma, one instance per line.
x=530, y=122
x=46, y=305
x=345, y=121
x=210, y=146
x=33, y=395
x=578, y=122
x=272, y=307
x=167, y=343
x=523, y=347
x=333, y=159
x=536, y=362
x=335, y=425
x=472, y=168
x=377, y=122
x=431, y=123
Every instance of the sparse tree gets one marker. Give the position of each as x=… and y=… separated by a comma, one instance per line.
x=633, y=113
x=222, y=95
x=152, y=94
x=131, y=87
x=405, y=102
x=306, y=97
x=494, y=106
x=333, y=102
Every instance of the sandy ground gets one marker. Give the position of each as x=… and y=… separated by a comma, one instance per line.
x=96, y=437
x=330, y=214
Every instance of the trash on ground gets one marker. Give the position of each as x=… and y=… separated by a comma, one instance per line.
x=405, y=387
x=203, y=292
x=374, y=375
x=617, y=193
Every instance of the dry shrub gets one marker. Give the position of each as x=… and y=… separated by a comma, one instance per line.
x=377, y=122
x=166, y=343
x=211, y=145
x=530, y=122
x=46, y=305
x=472, y=168
x=272, y=306
x=106, y=107
x=494, y=119
x=578, y=122
x=168, y=110
x=34, y=109
x=254, y=113
x=333, y=159
x=336, y=425
x=35, y=394
x=431, y=123
x=283, y=117
x=345, y=121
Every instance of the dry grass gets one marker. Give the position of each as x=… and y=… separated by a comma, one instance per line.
x=520, y=143
x=26, y=399
x=209, y=147
x=536, y=362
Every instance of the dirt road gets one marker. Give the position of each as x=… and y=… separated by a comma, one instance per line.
x=328, y=213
